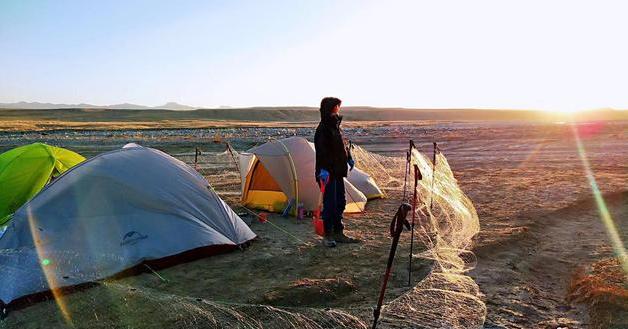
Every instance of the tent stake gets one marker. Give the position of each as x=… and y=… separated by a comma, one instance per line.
x=4, y=311
x=396, y=227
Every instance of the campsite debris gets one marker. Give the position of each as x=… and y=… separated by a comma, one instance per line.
x=396, y=227
x=300, y=211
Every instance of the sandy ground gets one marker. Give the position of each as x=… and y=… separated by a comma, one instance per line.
x=538, y=226
x=525, y=278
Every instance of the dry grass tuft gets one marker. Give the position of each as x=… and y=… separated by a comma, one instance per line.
x=605, y=290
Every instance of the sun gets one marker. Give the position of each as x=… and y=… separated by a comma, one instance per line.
x=563, y=110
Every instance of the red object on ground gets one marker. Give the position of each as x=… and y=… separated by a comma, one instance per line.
x=319, y=228
x=263, y=217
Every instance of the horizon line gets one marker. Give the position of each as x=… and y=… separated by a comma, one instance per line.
x=84, y=105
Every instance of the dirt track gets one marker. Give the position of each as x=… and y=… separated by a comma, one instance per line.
x=525, y=279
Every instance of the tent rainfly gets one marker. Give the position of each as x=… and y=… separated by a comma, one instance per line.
x=282, y=171
x=111, y=213
x=25, y=170
x=365, y=183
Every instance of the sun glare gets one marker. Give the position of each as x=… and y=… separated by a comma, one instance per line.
x=563, y=110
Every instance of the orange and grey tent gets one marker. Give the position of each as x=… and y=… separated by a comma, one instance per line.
x=281, y=172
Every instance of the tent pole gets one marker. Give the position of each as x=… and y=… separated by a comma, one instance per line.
x=433, y=177
x=294, y=173
x=417, y=177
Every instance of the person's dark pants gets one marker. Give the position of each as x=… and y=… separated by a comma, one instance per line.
x=334, y=203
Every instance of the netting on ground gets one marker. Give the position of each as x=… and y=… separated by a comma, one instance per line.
x=203, y=313
x=446, y=223
x=445, y=298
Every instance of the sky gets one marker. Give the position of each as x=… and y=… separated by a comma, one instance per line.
x=549, y=55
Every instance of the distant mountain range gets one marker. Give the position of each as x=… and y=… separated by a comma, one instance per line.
x=174, y=111
x=124, y=106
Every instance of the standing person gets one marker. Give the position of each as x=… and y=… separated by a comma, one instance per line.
x=332, y=158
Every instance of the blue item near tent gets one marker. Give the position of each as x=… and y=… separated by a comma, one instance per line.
x=286, y=211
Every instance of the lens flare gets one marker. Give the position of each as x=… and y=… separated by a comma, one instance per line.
x=47, y=267
x=532, y=155
x=605, y=216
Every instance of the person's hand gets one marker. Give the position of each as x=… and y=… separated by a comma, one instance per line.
x=351, y=163
x=323, y=176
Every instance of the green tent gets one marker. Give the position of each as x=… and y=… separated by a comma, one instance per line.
x=25, y=170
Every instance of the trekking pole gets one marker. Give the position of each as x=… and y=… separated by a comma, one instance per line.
x=408, y=161
x=405, y=177
x=417, y=176
x=433, y=176
x=396, y=227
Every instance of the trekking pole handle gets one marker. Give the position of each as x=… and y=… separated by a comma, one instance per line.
x=417, y=174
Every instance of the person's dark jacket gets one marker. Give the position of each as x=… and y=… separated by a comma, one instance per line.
x=332, y=152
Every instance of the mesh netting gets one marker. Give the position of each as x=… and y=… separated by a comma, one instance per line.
x=445, y=298
x=219, y=168
x=446, y=222
x=381, y=168
x=203, y=313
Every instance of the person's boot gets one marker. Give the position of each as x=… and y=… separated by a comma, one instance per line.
x=328, y=240
x=340, y=237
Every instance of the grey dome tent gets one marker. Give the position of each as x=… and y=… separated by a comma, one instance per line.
x=111, y=213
